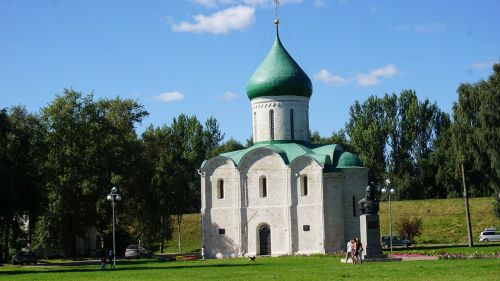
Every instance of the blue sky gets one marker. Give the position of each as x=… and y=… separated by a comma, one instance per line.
x=196, y=56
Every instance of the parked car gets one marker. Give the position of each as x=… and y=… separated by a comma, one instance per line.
x=136, y=251
x=397, y=240
x=24, y=257
x=489, y=234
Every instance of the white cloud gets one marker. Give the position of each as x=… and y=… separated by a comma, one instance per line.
x=482, y=65
x=228, y=96
x=206, y=3
x=232, y=18
x=319, y=3
x=257, y=2
x=283, y=2
x=269, y=3
x=373, y=77
x=169, y=96
x=429, y=28
x=327, y=77
x=422, y=28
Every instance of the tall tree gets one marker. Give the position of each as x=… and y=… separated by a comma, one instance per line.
x=368, y=130
x=20, y=151
x=89, y=149
x=395, y=136
x=175, y=153
x=476, y=134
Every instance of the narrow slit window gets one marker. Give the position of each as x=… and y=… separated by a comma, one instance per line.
x=271, y=123
x=292, y=131
x=220, y=189
x=353, y=206
x=305, y=186
x=263, y=187
x=255, y=125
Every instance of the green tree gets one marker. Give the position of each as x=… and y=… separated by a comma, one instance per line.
x=175, y=154
x=20, y=151
x=228, y=146
x=395, y=136
x=157, y=194
x=91, y=146
x=368, y=130
x=476, y=134
x=338, y=137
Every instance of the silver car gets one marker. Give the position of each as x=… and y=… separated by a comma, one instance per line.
x=489, y=234
x=136, y=251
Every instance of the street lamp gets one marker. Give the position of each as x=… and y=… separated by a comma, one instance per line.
x=390, y=191
x=114, y=196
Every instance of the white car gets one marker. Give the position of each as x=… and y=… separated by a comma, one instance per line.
x=489, y=234
x=136, y=251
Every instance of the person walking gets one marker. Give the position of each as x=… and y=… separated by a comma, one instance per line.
x=348, y=250
x=354, y=251
x=360, y=250
x=111, y=259
x=103, y=261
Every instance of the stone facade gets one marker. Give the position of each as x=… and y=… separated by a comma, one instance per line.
x=290, y=114
x=318, y=221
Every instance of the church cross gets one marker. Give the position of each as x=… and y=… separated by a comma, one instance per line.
x=276, y=6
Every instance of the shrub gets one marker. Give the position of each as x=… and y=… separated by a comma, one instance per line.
x=409, y=227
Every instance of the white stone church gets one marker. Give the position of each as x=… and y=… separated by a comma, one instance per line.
x=283, y=195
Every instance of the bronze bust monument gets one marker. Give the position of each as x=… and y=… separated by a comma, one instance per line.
x=369, y=204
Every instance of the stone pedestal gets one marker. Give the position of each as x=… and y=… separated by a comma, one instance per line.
x=370, y=236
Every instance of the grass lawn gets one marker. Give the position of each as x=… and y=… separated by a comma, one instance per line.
x=283, y=268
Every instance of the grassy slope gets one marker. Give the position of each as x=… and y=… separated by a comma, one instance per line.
x=190, y=233
x=284, y=268
x=444, y=221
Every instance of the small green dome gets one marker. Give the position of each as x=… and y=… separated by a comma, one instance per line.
x=279, y=75
x=348, y=160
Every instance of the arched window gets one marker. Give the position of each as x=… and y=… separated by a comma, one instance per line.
x=255, y=125
x=271, y=123
x=220, y=189
x=304, y=186
x=263, y=187
x=292, y=133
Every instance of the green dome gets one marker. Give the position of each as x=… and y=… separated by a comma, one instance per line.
x=279, y=75
x=348, y=160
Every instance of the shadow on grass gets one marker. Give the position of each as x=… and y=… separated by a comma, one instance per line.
x=130, y=268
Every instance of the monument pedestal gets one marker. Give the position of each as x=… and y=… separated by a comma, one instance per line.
x=370, y=238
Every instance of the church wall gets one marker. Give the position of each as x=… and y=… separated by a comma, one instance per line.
x=307, y=209
x=281, y=105
x=356, y=180
x=334, y=211
x=220, y=216
x=271, y=210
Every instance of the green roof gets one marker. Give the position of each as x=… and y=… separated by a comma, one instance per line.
x=348, y=160
x=331, y=156
x=287, y=151
x=279, y=75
